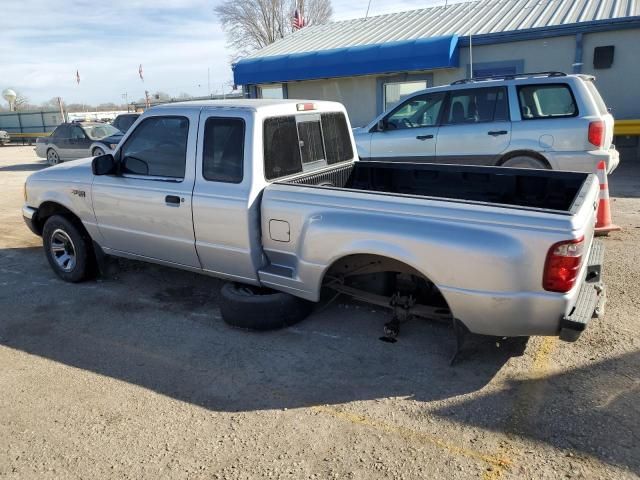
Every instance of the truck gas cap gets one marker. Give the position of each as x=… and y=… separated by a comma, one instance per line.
x=279, y=230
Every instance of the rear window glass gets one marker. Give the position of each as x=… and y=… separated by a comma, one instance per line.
x=311, y=148
x=546, y=101
x=602, y=107
x=292, y=146
x=337, y=141
x=281, y=149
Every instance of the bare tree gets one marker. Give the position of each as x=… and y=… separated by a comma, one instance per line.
x=22, y=102
x=252, y=25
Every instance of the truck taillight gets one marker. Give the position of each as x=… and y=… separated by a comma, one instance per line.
x=562, y=266
x=596, y=133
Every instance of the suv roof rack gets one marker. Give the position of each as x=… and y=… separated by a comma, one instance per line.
x=508, y=77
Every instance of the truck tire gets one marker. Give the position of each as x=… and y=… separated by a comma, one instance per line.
x=67, y=249
x=256, y=308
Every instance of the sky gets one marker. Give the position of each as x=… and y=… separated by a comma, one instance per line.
x=177, y=42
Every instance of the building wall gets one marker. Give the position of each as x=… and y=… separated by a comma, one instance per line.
x=358, y=94
x=618, y=85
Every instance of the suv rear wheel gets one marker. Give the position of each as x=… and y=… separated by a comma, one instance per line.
x=524, y=161
x=52, y=157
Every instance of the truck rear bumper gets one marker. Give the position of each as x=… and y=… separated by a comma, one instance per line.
x=515, y=314
x=591, y=299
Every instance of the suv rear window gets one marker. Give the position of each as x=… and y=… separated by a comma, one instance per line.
x=292, y=146
x=602, y=107
x=546, y=101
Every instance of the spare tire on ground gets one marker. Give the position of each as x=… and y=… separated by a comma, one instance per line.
x=259, y=308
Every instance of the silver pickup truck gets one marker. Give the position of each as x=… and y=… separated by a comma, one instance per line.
x=270, y=195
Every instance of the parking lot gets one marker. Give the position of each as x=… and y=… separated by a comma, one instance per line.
x=135, y=375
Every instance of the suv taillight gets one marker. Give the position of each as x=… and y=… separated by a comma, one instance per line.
x=562, y=266
x=596, y=133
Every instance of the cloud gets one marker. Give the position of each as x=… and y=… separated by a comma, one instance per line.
x=176, y=41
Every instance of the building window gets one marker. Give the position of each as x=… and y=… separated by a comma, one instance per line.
x=603, y=56
x=489, y=69
x=273, y=91
x=395, y=92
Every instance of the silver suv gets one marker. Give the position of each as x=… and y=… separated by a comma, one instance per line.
x=535, y=120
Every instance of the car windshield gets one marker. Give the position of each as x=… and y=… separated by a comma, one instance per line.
x=98, y=132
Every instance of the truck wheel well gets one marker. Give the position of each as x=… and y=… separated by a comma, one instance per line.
x=48, y=209
x=523, y=153
x=383, y=276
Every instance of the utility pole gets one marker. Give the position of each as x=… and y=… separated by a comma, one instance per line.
x=209, y=82
x=125, y=97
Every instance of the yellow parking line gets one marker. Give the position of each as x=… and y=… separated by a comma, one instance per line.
x=498, y=463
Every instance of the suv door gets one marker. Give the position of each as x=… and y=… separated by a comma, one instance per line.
x=146, y=210
x=78, y=143
x=475, y=127
x=408, y=132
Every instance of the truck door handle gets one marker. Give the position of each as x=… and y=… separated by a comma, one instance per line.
x=495, y=133
x=424, y=137
x=172, y=200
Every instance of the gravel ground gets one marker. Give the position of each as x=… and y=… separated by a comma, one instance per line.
x=136, y=376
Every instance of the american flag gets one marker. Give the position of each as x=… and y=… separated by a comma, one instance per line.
x=298, y=20
x=140, y=72
x=78, y=77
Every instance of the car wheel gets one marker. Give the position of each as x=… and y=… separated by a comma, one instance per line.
x=523, y=161
x=256, y=308
x=67, y=249
x=52, y=157
x=97, y=152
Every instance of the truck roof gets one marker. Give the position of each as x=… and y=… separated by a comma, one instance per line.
x=253, y=104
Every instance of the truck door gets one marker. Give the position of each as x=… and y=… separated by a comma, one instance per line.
x=475, y=127
x=409, y=131
x=226, y=210
x=146, y=211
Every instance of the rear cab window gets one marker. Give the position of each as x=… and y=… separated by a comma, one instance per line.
x=306, y=142
x=545, y=100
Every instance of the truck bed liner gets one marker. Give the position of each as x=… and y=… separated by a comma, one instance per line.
x=543, y=189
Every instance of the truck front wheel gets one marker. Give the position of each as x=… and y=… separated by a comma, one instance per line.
x=67, y=249
x=256, y=308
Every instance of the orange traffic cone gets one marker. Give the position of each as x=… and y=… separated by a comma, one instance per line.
x=603, y=222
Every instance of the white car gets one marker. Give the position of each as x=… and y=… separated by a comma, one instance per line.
x=541, y=120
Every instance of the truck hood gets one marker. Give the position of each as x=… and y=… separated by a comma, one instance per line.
x=73, y=171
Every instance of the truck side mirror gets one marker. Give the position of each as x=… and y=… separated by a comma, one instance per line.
x=103, y=165
x=382, y=125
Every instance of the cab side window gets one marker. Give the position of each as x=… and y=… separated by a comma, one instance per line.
x=223, y=150
x=417, y=112
x=157, y=147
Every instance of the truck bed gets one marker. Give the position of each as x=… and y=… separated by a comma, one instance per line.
x=537, y=189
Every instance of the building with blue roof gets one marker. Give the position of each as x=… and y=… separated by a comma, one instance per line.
x=370, y=64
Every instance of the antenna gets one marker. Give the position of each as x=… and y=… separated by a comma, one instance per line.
x=367, y=15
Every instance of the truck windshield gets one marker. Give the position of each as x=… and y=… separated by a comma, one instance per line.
x=292, y=146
